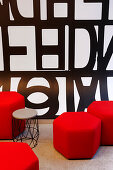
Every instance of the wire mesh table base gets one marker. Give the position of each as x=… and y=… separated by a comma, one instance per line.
x=31, y=133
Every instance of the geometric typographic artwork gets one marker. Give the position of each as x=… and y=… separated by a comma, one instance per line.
x=57, y=53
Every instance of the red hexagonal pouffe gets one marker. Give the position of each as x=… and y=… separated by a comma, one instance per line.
x=17, y=156
x=9, y=102
x=104, y=111
x=76, y=134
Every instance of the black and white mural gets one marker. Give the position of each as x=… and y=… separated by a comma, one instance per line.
x=57, y=53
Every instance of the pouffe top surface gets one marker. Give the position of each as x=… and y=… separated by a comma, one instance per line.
x=16, y=156
x=77, y=121
x=9, y=97
x=101, y=108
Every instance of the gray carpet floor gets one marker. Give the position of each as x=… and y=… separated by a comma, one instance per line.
x=50, y=159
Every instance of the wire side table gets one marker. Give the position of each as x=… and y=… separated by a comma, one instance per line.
x=25, y=119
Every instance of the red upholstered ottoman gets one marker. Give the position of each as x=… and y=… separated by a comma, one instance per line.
x=17, y=156
x=9, y=102
x=76, y=135
x=104, y=111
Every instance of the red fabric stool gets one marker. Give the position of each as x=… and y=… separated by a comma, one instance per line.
x=17, y=156
x=104, y=111
x=9, y=102
x=76, y=135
